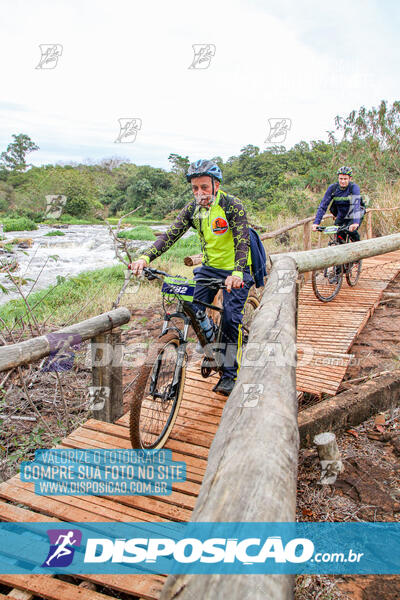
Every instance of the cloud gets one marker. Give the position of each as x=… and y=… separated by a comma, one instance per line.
x=304, y=61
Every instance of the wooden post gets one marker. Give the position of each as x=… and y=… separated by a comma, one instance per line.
x=106, y=393
x=116, y=398
x=329, y=456
x=369, y=225
x=307, y=244
x=251, y=474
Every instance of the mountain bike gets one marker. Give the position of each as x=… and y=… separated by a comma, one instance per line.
x=158, y=388
x=327, y=282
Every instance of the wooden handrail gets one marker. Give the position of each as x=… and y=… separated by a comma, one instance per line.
x=251, y=474
x=191, y=261
x=196, y=259
x=381, y=209
x=106, y=357
x=271, y=234
x=320, y=258
x=15, y=355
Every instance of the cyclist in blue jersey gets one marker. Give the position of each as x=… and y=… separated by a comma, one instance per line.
x=345, y=202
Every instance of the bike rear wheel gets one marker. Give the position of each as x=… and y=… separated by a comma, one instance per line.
x=327, y=282
x=155, y=404
x=251, y=306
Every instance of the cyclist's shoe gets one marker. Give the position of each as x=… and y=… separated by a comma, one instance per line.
x=224, y=386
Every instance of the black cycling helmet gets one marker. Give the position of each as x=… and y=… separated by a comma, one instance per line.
x=345, y=171
x=204, y=167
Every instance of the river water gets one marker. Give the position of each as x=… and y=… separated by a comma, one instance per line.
x=82, y=248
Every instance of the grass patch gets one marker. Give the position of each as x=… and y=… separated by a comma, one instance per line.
x=91, y=293
x=8, y=247
x=54, y=233
x=87, y=295
x=135, y=221
x=19, y=224
x=141, y=232
x=70, y=220
x=182, y=248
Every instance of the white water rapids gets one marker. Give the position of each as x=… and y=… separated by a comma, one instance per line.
x=82, y=248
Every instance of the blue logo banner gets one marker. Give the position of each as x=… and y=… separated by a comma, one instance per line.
x=128, y=548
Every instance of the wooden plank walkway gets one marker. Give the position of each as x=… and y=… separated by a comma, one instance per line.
x=191, y=439
x=330, y=329
x=327, y=331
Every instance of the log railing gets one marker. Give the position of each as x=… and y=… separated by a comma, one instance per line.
x=251, y=473
x=320, y=258
x=252, y=463
x=191, y=261
x=106, y=353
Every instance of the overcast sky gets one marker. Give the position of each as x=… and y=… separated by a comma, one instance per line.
x=305, y=61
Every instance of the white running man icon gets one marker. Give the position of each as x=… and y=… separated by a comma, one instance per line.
x=62, y=549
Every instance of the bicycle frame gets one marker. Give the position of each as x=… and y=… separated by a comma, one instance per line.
x=334, y=240
x=185, y=312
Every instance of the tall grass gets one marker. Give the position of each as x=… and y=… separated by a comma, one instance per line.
x=141, y=232
x=63, y=300
x=183, y=247
x=87, y=295
x=386, y=222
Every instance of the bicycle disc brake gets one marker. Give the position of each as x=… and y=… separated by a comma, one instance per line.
x=207, y=367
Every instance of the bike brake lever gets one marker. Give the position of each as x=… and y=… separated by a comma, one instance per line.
x=148, y=274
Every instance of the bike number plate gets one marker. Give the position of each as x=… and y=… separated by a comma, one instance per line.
x=331, y=229
x=180, y=287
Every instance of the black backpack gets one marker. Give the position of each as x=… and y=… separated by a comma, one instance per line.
x=333, y=208
x=258, y=258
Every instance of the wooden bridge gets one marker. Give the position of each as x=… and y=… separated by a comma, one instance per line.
x=330, y=329
x=327, y=331
x=191, y=439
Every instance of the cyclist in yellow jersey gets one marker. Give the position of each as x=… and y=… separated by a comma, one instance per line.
x=221, y=222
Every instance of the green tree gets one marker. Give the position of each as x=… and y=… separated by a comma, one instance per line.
x=14, y=158
x=370, y=143
x=179, y=164
x=80, y=192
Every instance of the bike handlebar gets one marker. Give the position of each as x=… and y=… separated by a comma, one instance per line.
x=339, y=228
x=150, y=274
x=211, y=282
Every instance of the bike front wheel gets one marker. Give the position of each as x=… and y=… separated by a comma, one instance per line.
x=156, y=397
x=327, y=282
x=353, y=272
